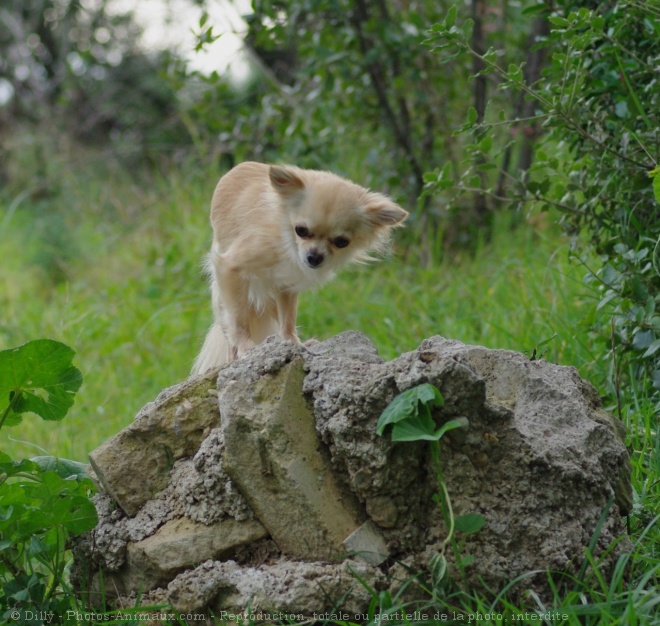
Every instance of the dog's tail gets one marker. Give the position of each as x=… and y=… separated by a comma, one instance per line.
x=214, y=352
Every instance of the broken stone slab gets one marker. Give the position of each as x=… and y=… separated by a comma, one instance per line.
x=366, y=543
x=183, y=544
x=135, y=464
x=272, y=454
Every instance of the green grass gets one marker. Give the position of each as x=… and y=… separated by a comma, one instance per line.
x=111, y=267
x=108, y=262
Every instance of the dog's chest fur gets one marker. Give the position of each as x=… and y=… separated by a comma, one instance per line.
x=285, y=276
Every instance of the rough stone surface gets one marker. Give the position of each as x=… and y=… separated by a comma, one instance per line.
x=179, y=543
x=286, y=587
x=284, y=466
x=367, y=544
x=272, y=454
x=171, y=427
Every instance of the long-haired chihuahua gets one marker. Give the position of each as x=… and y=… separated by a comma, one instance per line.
x=277, y=231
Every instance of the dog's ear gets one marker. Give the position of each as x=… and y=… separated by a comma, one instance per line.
x=381, y=211
x=285, y=180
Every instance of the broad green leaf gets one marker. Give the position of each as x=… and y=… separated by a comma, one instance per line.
x=11, y=468
x=406, y=405
x=643, y=339
x=37, y=546
x=62, y=467
x=652, y=349
x=421, y=428
x=75, y=513
x=469, y=523
x=59, y=503
x=38, y=377
x=415, y=427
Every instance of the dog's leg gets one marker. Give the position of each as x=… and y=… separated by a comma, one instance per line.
x=287, y=312
x=234, y=316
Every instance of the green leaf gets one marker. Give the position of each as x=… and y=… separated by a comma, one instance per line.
x=643, y=339
x=38, y=377
x=558, y=21
x=491, y=57
x=407, y=404
x=11, y=468
x=75, y=513
x=468, y=25
x=415, y=427
x=64, y=468
x=469, y=523
x=515, y=73
x=656, y=250
x=474, y=181
x=467, y=560
x=485, y=144
x=472, y=116
x=37, y=546
x=421, y=427
x=450, y=20
x=652, y=349
x=655, y=174
x=438, y=567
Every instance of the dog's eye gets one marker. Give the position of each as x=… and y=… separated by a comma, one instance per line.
x=340, y=242
x=303, y=232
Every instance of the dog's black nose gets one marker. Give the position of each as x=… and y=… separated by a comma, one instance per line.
x=314, y=258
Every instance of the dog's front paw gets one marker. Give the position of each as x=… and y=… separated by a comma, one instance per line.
x=311, y=342
x=292, y=337
x=239, y=348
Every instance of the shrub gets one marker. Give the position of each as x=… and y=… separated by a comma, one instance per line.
x=43, y=501
x=599, y=104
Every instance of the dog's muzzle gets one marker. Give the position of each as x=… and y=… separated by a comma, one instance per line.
x=314, y=259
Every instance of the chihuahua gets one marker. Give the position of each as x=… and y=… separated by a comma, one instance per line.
x=278, y=231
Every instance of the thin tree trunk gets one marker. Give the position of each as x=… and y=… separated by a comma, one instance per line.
x=479, y=94
x=536, y=58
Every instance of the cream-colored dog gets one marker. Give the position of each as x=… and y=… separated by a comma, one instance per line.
x=278, y=231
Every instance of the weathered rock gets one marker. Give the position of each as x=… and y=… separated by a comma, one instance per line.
x=179, y=544
x=280, y=591
x=296, y=449
x=272, y=455
x=135, y=464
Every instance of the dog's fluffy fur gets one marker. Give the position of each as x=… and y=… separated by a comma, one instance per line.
x=278, y=231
